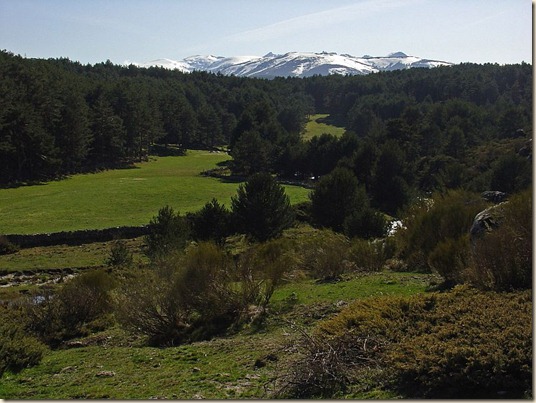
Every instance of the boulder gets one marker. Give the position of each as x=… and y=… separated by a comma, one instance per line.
x=486, y=221
x=526, y=150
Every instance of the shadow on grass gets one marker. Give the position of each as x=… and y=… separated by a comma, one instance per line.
x=232, y=179
x=332, y=121
x=226, y=163
x=15, y=185
x=42, y=182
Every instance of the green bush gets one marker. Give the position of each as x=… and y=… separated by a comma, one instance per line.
x=18, y=350
x=168, y=233
x=119, y=255
x=366, y=223
x=502, y=258
x=459, y=344
x=266, y=266
x=324, y=254
x=429, y=222
x=450, y=258
x=367, y=256
x=75, y=310
x=203, y=287
x=211, y=223
x=194, y=296
x=144, y=304
x=261, y=209
x=7, y=247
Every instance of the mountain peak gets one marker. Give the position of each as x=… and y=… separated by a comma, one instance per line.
x=397, y=54
x=295, y=64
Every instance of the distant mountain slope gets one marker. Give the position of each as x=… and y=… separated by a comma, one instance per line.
x=296, y=64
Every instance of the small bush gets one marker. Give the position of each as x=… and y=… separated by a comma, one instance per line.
x=119, y=255
x=327, y=367
x=366, y=255
x=264, y=267
x=194, y=296
x=145, y=305
x=450, y=258
x=430, y=222
x=55, y=317
x=204, y=288
x=168, y=233
x=502, y=258
x=86, y=297
x=211, y=223
x=325, y=254
x=7, y=247
x=18, y=350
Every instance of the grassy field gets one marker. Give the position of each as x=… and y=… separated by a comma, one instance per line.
x=116, y=366
x=317, y=125
x=65, y=256
x=119, y=197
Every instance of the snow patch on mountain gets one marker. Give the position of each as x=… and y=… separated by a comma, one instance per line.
x=295, y=64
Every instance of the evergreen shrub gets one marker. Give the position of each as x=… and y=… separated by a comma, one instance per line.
x=18, y=350
x=459, y=344
x=502, y=258
x=440, y=222
x=119, y=255
x=169, y=233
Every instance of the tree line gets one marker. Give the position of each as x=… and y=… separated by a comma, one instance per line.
x=408, y=133
x=59, y=117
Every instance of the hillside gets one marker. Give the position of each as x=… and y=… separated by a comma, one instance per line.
x=242, y=284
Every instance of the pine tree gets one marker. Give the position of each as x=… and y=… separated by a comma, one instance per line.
x=261, y=208
x=336, y=196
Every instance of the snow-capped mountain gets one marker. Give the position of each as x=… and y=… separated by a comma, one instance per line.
x=295, y=64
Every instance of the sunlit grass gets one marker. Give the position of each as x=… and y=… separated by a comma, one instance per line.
x=119, y=197
x=316, y=127
x=64, y=256
x=222, y=368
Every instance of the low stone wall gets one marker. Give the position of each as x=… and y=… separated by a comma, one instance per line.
x=77, y=237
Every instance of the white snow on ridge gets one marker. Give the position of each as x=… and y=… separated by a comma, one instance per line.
x=167, y=64
x=295, y=64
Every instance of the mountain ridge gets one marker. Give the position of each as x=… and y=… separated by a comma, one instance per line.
x=295, y=64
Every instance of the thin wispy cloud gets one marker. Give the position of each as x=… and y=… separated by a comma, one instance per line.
x=483, y=20
x=318, y=20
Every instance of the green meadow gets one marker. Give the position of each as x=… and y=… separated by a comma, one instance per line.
x=119, y=197
x=318, y=124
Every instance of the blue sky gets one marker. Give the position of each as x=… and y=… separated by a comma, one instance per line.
x=92, y=31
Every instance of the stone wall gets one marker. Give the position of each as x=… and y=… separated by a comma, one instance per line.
x=77, y=237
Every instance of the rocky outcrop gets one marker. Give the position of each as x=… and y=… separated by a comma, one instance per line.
x=486, y=221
